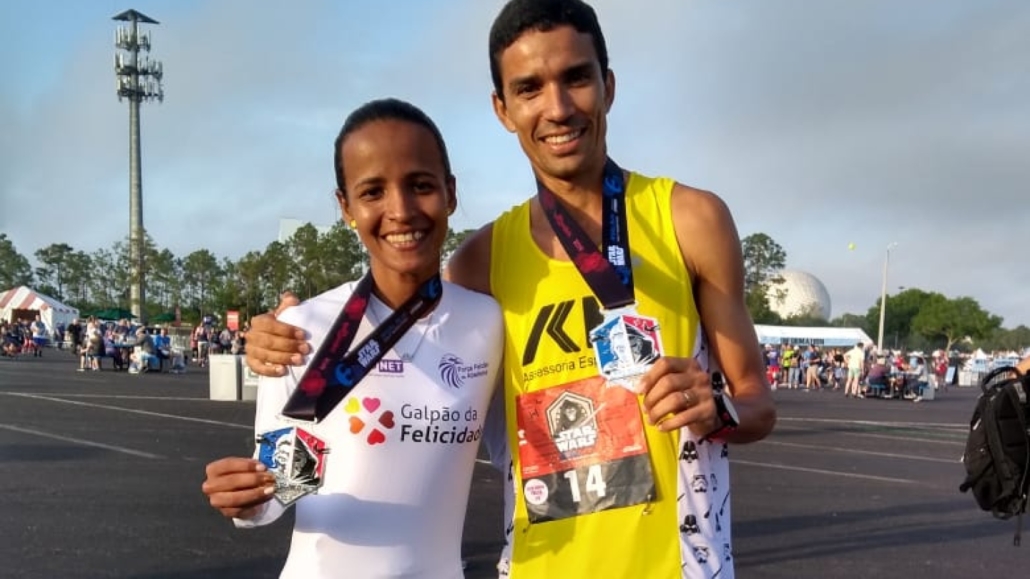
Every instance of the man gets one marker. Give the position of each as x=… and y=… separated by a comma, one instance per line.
x=147, y=349
x=39, y=336
x=75, y=335
x=789, y=365
x=856, y=362
x=606, y=512
x=162, y=346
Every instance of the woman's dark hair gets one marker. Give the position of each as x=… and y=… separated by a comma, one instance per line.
x=520, y=16
x=388, y=109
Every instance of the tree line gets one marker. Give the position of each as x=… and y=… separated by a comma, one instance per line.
x=199, y=283
x=310, y=262
x=916, y=318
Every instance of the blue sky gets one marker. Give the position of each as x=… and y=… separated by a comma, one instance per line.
x=820, y=124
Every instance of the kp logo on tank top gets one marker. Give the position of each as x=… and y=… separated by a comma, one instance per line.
x=552, y=324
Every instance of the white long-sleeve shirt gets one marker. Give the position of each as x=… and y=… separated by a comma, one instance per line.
x=402, y=445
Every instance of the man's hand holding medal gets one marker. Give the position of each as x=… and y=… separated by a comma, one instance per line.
x=678, y=392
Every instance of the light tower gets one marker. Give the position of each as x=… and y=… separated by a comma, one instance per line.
x=883, y=295
x=139, y=80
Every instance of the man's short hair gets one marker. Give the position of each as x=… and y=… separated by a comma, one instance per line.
x=521, y=16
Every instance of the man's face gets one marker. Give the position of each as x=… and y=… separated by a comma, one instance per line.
x=555, y=99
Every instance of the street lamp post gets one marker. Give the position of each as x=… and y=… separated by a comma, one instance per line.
x=138, y=80
x=883, y=295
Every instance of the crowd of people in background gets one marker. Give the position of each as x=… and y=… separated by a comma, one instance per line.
x=24, y=337
x=859, y=371
x=128, y=346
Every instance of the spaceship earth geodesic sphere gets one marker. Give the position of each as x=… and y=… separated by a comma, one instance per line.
x=800, y=293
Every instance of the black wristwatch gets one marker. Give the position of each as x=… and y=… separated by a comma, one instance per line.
x=727, y=414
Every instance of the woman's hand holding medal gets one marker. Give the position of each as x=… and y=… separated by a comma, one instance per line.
x=678, y=392
x=237, y=486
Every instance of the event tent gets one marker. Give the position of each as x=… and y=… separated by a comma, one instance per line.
x=24, y=303
x=826, y=337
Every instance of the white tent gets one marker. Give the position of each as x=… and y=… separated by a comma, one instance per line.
x=16, y=301
x=826, y=337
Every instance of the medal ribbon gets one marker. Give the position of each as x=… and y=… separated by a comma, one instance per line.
x=606, y=271
x=334, y=372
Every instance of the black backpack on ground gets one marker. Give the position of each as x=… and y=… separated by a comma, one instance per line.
x=997, y=456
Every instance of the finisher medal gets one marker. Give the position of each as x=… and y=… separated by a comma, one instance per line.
x=297, y=460
x=626, y=344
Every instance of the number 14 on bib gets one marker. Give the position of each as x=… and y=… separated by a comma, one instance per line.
x=581, y=450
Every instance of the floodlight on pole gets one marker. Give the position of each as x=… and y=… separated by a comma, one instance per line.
x=883, y=295
x=139, y=80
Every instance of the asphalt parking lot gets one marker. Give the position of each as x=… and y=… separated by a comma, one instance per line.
x=103, y=472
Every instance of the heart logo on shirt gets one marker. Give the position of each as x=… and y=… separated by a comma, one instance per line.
x=370, y=404
x=353, y=406
x=375, y=437
x=356, y=424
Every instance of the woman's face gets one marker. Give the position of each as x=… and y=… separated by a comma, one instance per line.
x=398, y=195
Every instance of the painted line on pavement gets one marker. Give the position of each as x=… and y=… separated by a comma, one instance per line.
x=895, y=424
x=826, y=472
x=80, y=441
x=113, y=396
x=133, y=411
x=859, y=451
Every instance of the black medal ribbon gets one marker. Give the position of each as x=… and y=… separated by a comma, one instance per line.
x=607, y=271
x=334, y=371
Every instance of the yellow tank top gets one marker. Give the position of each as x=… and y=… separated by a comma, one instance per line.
x=548, y=311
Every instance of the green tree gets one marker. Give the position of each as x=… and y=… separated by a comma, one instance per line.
x=852, y=321
x=276, y=268
x=951, y=320
x=227, y=291
x=758, y=306
x=15, y=269
x=105, y=287
x=164, y=281
x=1016, y=339
x=902, y=308
x=453, y=241
x=200, y=272
x=306, y=272
x=250, y=276
x=341, y=255
x=120, y=274
x=52, y=271
x=763, y=257
x=808, y=317
x=78, y=269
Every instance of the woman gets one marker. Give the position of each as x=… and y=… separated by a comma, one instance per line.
x=402, y=444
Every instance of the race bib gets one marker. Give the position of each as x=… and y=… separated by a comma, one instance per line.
x=582, y=450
